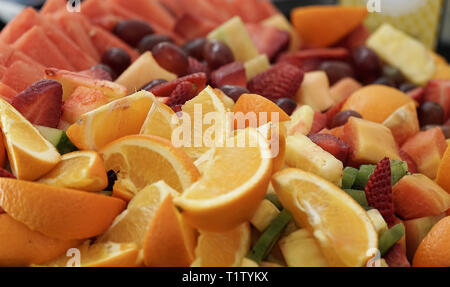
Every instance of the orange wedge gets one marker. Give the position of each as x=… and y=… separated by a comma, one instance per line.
x=169, y=241
x=233, y=184
x=140, y=160
x=82, y=170
x=206, y=116
x=161, y=121
x=340, y=225
x=21, y=246
x=263, y=110
x=132, y=224
x=225, y=249
x=376, y=102
x=109, y=122
x=29, y=153
x=109, y=254
x=58, y=212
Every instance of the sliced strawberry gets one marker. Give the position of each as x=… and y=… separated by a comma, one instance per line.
x=268, y=40
x=356, y=38
x=41, y=103
x=439, y=91
x=417, y=94
x=196, y=67
x=165, y=89
x=280, y=81
x=5, y=173
x=396, y=257
x=230, y=74
x=183, y=92
x=319, y=123
x=379, y=190
x=412, y=166
x=332, y=144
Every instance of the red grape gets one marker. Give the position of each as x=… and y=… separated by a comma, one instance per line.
x=171, y=57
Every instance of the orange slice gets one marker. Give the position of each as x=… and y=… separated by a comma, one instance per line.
x=169, y=241
x=109, y=122
x=58, y=212
x=141, y=160
x=82, y=170
x=161, y=121
x=225, y=249
x=22, y=246
x=232, y=186
x=340, y=225
x=29, y=153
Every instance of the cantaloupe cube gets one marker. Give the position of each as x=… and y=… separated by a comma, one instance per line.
x=426, y=149
x=403, y=123
x=369, y=142
x=343, y=89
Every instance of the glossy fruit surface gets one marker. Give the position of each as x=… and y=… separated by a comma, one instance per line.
x=132, y=31
x=148, y=42
x=171, y=57
x=217, y=54
x=117, y=58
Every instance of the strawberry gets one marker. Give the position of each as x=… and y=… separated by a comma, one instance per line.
x=412, y=166
x=396, y=257
x=165, y=89
x=439, y=91
x=332, y=144
x=417, y=94
x=280, y=81
x=379, y=190
x=41, y=103
x=196, y=67
x=5, y=173
x=183, y=92
x=268, y=40
x=356, y=38
x=319, y=123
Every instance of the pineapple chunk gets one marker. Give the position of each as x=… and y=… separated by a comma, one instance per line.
x=248, y=263
x=264, y=215
x=235, y=35
x=142, y=71
x=301, y=121
x=256, y=65
x=301, y=250
x=315, y=91
x=405, y=53
x=302, y=153
x=378, y=221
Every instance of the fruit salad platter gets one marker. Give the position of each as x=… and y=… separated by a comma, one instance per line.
x=174, y=133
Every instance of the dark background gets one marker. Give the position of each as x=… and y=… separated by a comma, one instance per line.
x=285, y=6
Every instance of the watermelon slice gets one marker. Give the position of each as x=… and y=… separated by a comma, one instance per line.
x=69, y=23
x=20, y=75
x=251, y=11
x=38, y=46
x=104, y=40
x=94, y=9
x=2, y=71
x=174, y=6
x=19, y=56
x=152, y=11
x=52, y=6
x=203, y=9
x=20, y=24
x=7, y=93
x=5, y=53
x=191, y=26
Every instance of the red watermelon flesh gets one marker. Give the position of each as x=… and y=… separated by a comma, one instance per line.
x=5, y=53
x=76, y=57
x=69, y=23
x=7, y=93
x=52, y=6
x=94, y=9
x=174, y=6
x=18, y=26
x=20, y=75
x=152, y=11
x=191, y=27
x=2, y=71
x=203, y=9
x=104, y=40
x=251, y=11
x=19, y=56
x=38, y=46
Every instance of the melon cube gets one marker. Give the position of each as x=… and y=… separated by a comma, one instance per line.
x=343, y=89
x=427, y=149
x=369, y=142
x=315, y=91
x=403, y=123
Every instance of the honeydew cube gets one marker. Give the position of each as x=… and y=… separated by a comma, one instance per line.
x=256, y=65
x=301, y=250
